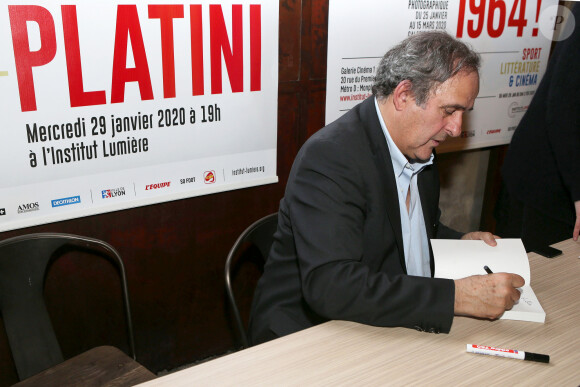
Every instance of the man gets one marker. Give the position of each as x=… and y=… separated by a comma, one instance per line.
x=362, y=202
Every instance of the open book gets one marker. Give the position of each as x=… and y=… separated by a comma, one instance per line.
x=456, y=259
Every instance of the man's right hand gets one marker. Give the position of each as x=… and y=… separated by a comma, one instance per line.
x=487, y=296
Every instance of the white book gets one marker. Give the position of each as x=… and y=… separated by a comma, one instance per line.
x=455, y=259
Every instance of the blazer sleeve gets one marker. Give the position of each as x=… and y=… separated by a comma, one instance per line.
x=328, y=202
x=444, y=232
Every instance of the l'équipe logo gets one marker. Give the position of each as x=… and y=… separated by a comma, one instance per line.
x=149, y=187
x=66, y=201
x=113, y=192
x=28, y=207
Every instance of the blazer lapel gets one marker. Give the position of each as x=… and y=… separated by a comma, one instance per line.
x=424, y=194
x=382, y=159
x=428, y=184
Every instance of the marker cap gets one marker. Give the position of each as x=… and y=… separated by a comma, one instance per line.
x=537, y=357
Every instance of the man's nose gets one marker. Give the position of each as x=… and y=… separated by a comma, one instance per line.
x=453, y=126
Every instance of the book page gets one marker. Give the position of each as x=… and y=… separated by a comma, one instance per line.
x=528, y=308
x=455, y=259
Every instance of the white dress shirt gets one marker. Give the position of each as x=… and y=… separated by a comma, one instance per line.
x=415, y=242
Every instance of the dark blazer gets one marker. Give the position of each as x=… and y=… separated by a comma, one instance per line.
x=338, y=251
x=542, y=165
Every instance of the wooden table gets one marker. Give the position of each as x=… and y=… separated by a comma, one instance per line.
x=100, y=366
x=347, y=353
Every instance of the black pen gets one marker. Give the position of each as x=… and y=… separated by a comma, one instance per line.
x=487, y=270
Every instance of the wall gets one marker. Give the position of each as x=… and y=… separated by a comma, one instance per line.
x=174, y=252
x=463, y=177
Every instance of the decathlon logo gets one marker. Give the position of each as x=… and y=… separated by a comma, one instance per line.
x=66, y=201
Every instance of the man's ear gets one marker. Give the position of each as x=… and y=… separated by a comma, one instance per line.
x=403, y=95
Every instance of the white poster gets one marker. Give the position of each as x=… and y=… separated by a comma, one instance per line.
x=107, y=105
x=513, y=38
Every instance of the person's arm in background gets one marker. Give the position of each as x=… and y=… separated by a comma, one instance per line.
x=577, y=224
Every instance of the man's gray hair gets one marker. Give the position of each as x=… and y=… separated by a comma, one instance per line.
x=427, y=59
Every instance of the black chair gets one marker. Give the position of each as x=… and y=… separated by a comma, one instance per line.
x=24, y=261
x=260, y=235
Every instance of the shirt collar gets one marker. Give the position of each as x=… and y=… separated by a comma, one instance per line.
x=400, y=162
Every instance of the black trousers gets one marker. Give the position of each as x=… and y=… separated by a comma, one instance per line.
x=515, y=219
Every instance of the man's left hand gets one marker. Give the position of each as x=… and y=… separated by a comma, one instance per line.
x=487, y=237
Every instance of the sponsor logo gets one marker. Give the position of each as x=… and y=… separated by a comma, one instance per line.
x=66, y=201
x=209, y=177
x=114, y=192
x=515, y=108
x=157, y=185
x=29, y=207
x=467, y=133
x=493, y=131
x=2, y=211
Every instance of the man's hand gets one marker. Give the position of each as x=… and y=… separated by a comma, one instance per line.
x=487, y=296
x=487, y=237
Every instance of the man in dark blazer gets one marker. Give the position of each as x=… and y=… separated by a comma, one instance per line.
x=347, y=247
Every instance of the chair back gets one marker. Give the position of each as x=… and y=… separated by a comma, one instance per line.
x=23, y=264
x=261, y=235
